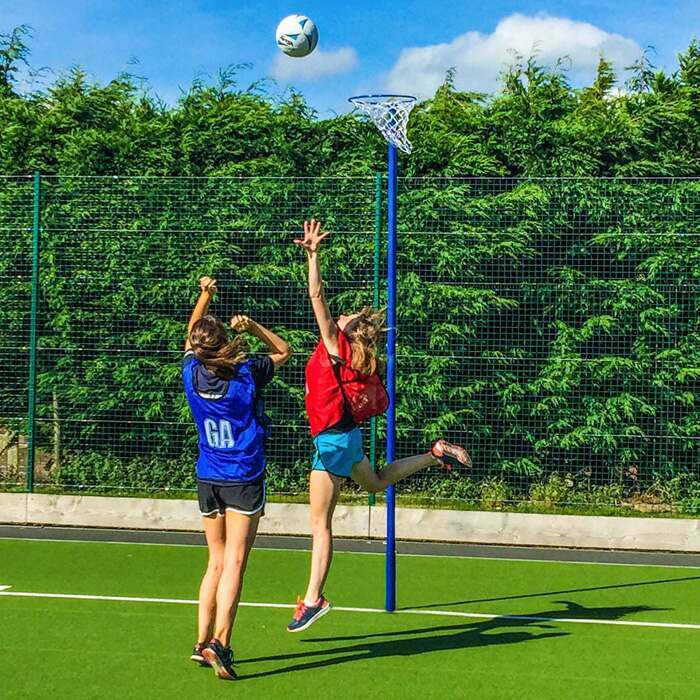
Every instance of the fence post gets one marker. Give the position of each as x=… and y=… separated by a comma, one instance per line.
x=31, y=408
x=371, y=498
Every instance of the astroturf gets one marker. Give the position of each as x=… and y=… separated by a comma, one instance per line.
x=95, y=649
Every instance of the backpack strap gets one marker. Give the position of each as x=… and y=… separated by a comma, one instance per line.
x=336, y=372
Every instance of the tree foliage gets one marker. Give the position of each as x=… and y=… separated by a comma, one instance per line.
x=548, y=293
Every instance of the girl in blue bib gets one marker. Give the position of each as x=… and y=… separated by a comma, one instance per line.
x=224, y=390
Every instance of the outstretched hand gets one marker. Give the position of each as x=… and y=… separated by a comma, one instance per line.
x=241, y=324
x=312, y=236
x=208, y=284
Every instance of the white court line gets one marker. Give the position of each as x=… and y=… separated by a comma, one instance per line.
x=442, y=613
x=379, y=554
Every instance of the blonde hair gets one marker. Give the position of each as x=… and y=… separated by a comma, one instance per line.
x=366, y=334
x=212, y=346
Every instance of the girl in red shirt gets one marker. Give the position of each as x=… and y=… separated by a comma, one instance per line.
x=341, y=384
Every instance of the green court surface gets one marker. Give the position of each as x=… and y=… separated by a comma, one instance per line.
x=452, y=636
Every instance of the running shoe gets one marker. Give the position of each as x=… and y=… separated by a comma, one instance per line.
x=197, y=653
x=450, y=455
x=306, y=615
x=220, y=658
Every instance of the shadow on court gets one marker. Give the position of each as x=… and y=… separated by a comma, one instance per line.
x=425, y=640
x=548, y=593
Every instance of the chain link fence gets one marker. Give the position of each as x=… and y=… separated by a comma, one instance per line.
x=549, y=324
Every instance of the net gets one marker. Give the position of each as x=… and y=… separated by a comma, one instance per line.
x=390, y=115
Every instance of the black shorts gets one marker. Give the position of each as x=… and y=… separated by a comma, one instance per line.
x=247, y=499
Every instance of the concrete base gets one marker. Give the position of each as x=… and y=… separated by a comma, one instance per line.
x=650, y=534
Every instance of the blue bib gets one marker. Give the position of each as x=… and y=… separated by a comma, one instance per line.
x=231, y=439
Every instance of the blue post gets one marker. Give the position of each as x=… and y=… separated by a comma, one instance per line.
x=391, y=379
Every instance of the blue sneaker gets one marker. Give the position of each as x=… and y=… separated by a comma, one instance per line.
x=220, y=658
x=306, y=615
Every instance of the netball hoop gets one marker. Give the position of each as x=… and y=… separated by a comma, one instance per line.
x=390, y=113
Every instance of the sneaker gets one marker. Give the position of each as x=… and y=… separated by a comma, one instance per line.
x=220, y=658
x=197, y=654
x=449, y=455
x=306, y=615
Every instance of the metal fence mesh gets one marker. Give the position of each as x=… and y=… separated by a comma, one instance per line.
x=551, y=325
x=120, y=261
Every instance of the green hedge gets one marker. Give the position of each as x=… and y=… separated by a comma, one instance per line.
x=548, y=271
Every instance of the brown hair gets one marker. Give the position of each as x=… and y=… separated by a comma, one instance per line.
x=212, y=346
x=366, y=334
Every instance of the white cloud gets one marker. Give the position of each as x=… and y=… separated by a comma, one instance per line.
x=317, y=64
x=480, y=58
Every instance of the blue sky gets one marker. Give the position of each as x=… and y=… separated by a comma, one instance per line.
x=366, y=45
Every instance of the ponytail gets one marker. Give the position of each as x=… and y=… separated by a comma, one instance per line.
x=366, y=335
x=213, y=348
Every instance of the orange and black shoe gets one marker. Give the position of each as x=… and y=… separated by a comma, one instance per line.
x=196, y=654
x=450, y=455
x=306, y=615
x=220, y=658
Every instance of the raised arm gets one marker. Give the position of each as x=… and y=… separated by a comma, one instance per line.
x=326, y=325
x=279, y=349
x=207, y=285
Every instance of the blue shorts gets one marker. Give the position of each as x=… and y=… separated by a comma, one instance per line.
x=336, y=452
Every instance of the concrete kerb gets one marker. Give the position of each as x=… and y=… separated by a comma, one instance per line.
x=13, y=508
x=530, y=529
x=629, y=533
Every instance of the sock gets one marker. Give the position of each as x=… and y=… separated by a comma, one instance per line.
x=311, y=603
